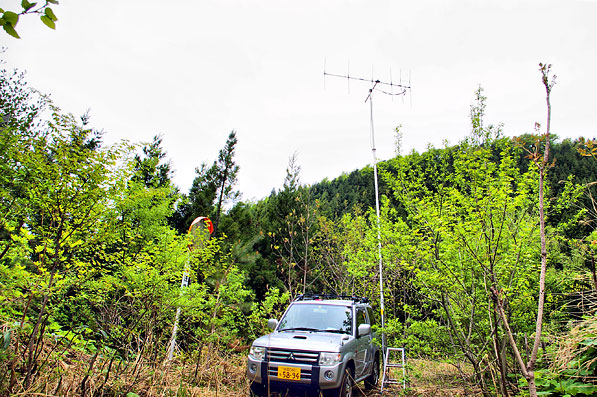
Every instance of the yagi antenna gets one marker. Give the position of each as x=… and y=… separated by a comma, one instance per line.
x=388, y=88
x=391, y=89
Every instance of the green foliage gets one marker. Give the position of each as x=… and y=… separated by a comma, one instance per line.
x=150, y=169
x=9, y=19
x=87, y=258
x=272, y=306
x=549, y=384
x=93, y=244
x=347, y=192
x=213, y=307
x=421, y=338
x=470, y=214
x=572, y=371
x=474, y=233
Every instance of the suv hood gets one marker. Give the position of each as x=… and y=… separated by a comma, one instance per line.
x=304, y=340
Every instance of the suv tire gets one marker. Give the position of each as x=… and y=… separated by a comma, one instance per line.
x=372, y=380
x=346, y=386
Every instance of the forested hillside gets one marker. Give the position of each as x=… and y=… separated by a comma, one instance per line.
x=94, y=243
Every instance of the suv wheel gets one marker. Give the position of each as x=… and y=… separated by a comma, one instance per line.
x=346, y=386
x=372, y=380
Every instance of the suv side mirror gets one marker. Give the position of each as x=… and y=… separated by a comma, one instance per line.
x=272, y=323
x=364, y=329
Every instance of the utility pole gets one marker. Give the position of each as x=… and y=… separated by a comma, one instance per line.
x=386, y=89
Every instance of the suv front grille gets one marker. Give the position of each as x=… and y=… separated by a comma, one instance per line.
x=292, y=356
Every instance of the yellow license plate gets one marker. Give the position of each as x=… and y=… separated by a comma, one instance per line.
x=289, y=373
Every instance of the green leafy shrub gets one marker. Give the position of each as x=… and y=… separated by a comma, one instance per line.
x=423, y=338
x=574, y=366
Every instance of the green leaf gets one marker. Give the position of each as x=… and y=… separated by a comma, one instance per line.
x=52, y=1
x=10, y=30
x=50, y=14
x=11, y=18
x=589, y=342
x=48, y=22
x=26, y=5
x=131, y=394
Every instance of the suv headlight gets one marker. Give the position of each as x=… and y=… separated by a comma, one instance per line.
x=329, y=358
x=257, y=352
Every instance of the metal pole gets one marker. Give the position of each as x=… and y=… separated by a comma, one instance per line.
x=373, y=150
x=183, y=285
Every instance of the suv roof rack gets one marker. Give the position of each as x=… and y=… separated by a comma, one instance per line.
x=306, y=297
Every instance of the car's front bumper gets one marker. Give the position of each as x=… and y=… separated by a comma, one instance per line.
x=312, y=376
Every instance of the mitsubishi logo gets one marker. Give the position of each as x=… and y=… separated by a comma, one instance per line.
x=291, y=356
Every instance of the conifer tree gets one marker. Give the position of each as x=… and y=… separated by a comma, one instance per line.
x=150, y=169
x=226, y=176
x=212, y=187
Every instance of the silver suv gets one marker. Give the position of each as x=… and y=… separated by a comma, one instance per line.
x=322, y=343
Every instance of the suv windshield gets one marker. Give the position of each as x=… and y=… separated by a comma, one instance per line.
x=321, y=318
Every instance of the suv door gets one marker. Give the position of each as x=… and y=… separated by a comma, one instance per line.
x=372, y=347
x=363, y=343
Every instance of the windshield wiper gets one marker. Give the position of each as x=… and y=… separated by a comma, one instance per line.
x=336, y=331
x=301, y=329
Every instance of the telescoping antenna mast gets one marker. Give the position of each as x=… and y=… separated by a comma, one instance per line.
x=392, y=89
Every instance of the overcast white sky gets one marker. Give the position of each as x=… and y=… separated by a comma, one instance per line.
x=195, y=70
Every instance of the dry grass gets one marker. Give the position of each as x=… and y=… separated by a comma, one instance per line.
x=570, y=346
x=434, y=378
x=216, y=376
x=70, y=373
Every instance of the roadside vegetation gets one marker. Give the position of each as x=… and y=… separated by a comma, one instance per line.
x=487, y=295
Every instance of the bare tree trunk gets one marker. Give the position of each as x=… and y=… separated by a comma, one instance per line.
x=527, y=369
x=88, y=374
x=500, y=359
x=542, y=171
x=464, y=345
x=593, y=270
x=499, y=306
